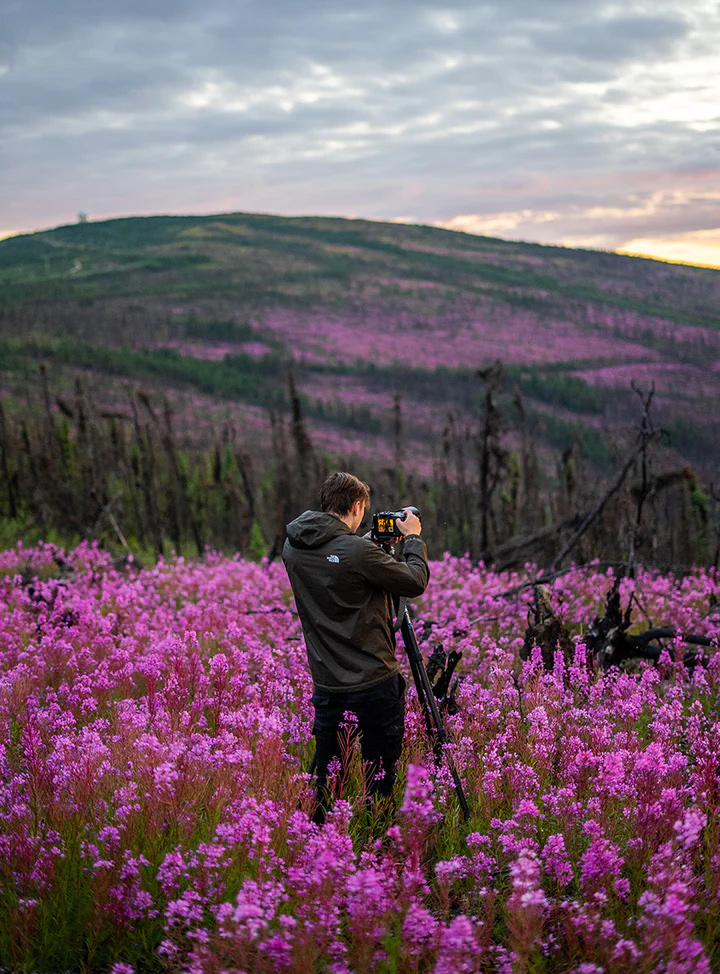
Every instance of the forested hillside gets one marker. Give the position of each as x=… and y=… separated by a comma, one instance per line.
x=185, y=328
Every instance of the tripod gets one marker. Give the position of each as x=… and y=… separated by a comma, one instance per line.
x=428, y=703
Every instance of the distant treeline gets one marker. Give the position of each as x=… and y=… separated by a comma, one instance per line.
x=122, y=337
x=260, y=381
x=73, y=468
x=236, y=377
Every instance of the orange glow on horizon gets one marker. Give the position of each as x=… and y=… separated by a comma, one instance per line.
x=696, y=248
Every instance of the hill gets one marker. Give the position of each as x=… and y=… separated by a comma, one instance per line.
x=210, y=309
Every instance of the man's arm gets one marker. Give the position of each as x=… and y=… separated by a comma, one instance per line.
x=407, y=578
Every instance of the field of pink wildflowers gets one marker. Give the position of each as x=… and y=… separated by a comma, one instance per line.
x=155, y=734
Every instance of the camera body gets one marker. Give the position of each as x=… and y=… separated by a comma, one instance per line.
x=384, y=525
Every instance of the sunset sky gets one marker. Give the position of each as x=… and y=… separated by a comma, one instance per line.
x=590, y=124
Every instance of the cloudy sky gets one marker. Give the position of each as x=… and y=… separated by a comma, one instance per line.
x=581, y=122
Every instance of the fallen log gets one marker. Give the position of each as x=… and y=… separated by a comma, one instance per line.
x=607, y=641
x=546, y=631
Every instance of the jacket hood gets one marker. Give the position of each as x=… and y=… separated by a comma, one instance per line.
x=315, y=528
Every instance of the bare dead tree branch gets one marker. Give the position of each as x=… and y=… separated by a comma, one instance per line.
x=645, y=435
x=599, y=507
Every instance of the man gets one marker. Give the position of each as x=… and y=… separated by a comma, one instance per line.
x=343, y=586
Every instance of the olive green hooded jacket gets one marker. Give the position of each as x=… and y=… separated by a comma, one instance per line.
x=343, y=586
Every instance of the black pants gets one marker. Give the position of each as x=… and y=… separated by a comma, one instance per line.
x=380, y=713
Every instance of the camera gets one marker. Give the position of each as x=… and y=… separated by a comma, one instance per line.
x=384, y=525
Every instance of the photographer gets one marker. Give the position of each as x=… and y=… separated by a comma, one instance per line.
x=343, y=586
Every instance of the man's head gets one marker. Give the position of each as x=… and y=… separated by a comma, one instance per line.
x=345, y=496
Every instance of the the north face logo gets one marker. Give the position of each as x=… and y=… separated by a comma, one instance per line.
x=334, y=559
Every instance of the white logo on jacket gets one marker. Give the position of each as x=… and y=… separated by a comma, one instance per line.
x=334, y=559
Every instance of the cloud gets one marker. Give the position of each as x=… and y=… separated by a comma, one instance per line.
x=615, y=222
x=538, y=119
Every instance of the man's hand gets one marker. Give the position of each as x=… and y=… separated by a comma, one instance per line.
x=411, y=524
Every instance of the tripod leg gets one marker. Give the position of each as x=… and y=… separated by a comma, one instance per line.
x=430, y=707
x=420, y=690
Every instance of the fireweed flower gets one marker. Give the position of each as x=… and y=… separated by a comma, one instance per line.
x=458, y=948
x=668, y=908
x=689, y=829
x=418, y=800
x=556, y=861
x=419, y=930
x=527, y=894
x=600, y=866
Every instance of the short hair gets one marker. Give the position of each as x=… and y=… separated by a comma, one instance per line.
x=340, y=491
